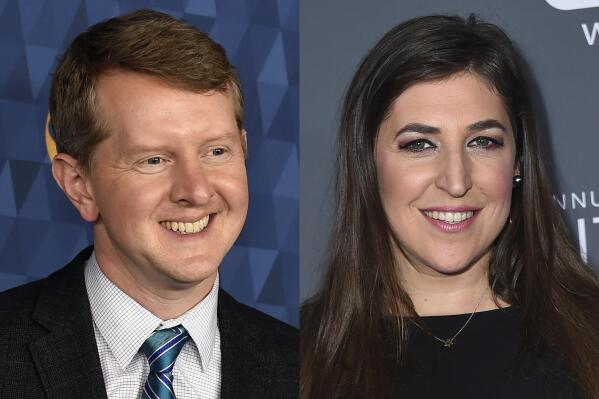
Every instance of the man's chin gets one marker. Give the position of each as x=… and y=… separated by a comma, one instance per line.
x=189, y=271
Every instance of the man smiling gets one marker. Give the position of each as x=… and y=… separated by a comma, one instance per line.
x=146, y=112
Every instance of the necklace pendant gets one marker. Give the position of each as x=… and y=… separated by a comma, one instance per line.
x=448, y=343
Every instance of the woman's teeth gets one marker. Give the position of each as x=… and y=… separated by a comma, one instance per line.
x=449, y=217
x=187, y=227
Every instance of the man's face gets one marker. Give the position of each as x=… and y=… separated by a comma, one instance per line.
x=169, y=183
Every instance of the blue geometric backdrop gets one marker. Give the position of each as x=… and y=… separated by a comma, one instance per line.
x=40, y=230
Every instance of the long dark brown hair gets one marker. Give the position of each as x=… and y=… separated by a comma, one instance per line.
x=345, y=351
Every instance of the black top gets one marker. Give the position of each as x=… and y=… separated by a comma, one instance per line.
x=485, y=361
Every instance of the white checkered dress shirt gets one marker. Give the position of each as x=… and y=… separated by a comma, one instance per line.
x=121, y=326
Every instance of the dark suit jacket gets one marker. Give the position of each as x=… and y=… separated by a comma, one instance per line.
x=48, y=348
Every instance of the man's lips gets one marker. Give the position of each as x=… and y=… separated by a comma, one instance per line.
x=187, y=225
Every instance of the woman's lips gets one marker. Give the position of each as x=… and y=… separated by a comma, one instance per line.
x=451, y=221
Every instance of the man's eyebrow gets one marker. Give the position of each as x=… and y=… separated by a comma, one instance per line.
x=145, y=148
x=418, y=128
x=485, y=125
x=228, y=135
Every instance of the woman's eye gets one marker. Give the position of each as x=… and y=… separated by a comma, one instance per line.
x=484, y=142
x=417, y=145
x=218, y=151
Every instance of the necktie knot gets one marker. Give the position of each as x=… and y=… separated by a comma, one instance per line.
x=161, y=350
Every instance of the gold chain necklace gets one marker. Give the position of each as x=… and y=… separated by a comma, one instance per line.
x=448, y=342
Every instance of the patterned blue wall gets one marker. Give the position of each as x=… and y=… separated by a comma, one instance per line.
x=40, y=230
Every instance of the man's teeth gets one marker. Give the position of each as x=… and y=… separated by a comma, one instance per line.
x=186, y=227
x=449, y=217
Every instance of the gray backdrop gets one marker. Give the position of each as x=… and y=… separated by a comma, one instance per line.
x=562, y=50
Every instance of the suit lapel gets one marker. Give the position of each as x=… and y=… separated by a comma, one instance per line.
x=243, y=374
x=67, y=357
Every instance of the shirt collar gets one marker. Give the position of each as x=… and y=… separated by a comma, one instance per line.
x=125, y=324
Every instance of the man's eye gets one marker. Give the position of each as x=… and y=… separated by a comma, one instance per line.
x=218, y=151
x=417, y=145
x=153, y=161
x=484, y=142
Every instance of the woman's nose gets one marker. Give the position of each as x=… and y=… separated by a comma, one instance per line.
x=454, y=174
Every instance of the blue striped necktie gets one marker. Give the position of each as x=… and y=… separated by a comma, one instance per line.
x=162, y=349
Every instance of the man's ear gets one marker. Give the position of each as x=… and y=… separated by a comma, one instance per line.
x=244, y=143
x=75, y=184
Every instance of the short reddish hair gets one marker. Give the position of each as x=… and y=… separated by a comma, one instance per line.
x=143, y=41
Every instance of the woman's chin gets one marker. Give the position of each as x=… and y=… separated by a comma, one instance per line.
x=447, y=266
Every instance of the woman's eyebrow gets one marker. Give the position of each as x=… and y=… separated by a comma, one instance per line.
x=486, y=124
x=418, y=128
x=474, y=127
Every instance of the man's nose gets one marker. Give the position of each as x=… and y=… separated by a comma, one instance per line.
x=454, y=174
x=191, y=184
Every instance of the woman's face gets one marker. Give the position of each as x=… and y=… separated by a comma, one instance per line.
x=445, y=159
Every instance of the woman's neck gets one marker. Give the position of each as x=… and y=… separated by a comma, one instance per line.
x=434, y=293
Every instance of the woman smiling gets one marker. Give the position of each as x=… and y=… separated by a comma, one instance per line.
x=450, y=271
